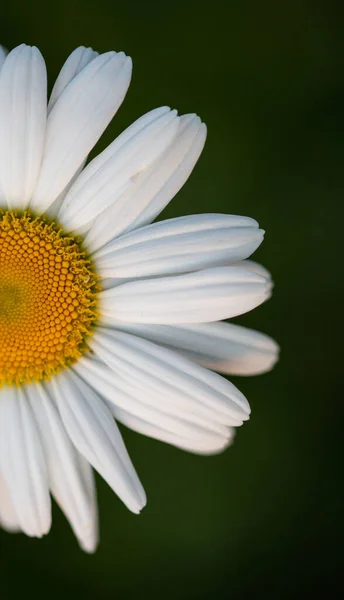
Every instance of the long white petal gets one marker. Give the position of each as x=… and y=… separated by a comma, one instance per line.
x=179, y=414
x=77, y=120
x=223, y=347
x=189, y=388
x=75, y=63
x=201, y=445
x=204, y=296
x=164, y=364
x=22, y=463
x=180, y=245
x=154, y=187
x=96, y=435
x=66, y=475
x=105, y=179
x=145, y=402
x=8, y=518
x=23, y=109
x=190, y=416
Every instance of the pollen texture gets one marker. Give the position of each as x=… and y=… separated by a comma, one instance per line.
x=48, y=298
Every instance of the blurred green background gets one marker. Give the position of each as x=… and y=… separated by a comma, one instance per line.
x=264, y=517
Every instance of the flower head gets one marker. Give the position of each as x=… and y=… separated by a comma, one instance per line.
x=102, y=313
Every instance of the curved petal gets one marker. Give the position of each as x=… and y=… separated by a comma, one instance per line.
x=154, y=187
x=23, y=110
x=103, y=181
x=96, y=435
x=75, y=63
x=223, y=347
x=22, y=463
x=77, y=120
x=180, y=245
x=201, y=445
x=66, y=475
x=189, y=387
x=204, y=296
x=180, y=417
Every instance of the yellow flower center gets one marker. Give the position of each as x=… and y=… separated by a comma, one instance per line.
x=48, y=293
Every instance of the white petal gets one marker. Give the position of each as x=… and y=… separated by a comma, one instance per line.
x=105, y=179
x=23, y=108
x=66, y=475
x=202, y=445
x=75, y=63
x=22, y=463
x=204, y=296
x=223, y=347
x=254, y=267
x=180, y=245
x=8, y=517
x=77, y=120
x=96, y=435
x=187, y=386
x=3, y=54
x=54, y=208
x=191, y=407
x=182, y=431
x=196, y=424
x=154, y=188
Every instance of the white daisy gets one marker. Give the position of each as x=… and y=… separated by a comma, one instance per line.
x=103, y=314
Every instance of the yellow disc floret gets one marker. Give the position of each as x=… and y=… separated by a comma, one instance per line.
x=48, y=294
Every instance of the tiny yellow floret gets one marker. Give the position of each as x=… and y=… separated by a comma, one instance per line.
x=48, y=298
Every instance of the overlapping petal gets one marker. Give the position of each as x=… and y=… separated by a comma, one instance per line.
x=115, y=170
x=23, y=464
x=223, y=347
x=179, y=245
x=154, y=187
x=75, y=63
x=70, y=476
x=166, y=395
x=81, y=113
x=96, y=436
x=201, y=444
x=196, y=419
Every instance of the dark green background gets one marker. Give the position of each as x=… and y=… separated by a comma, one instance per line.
x=263, y=519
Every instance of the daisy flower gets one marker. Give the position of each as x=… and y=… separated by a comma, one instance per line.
x=105, y=316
